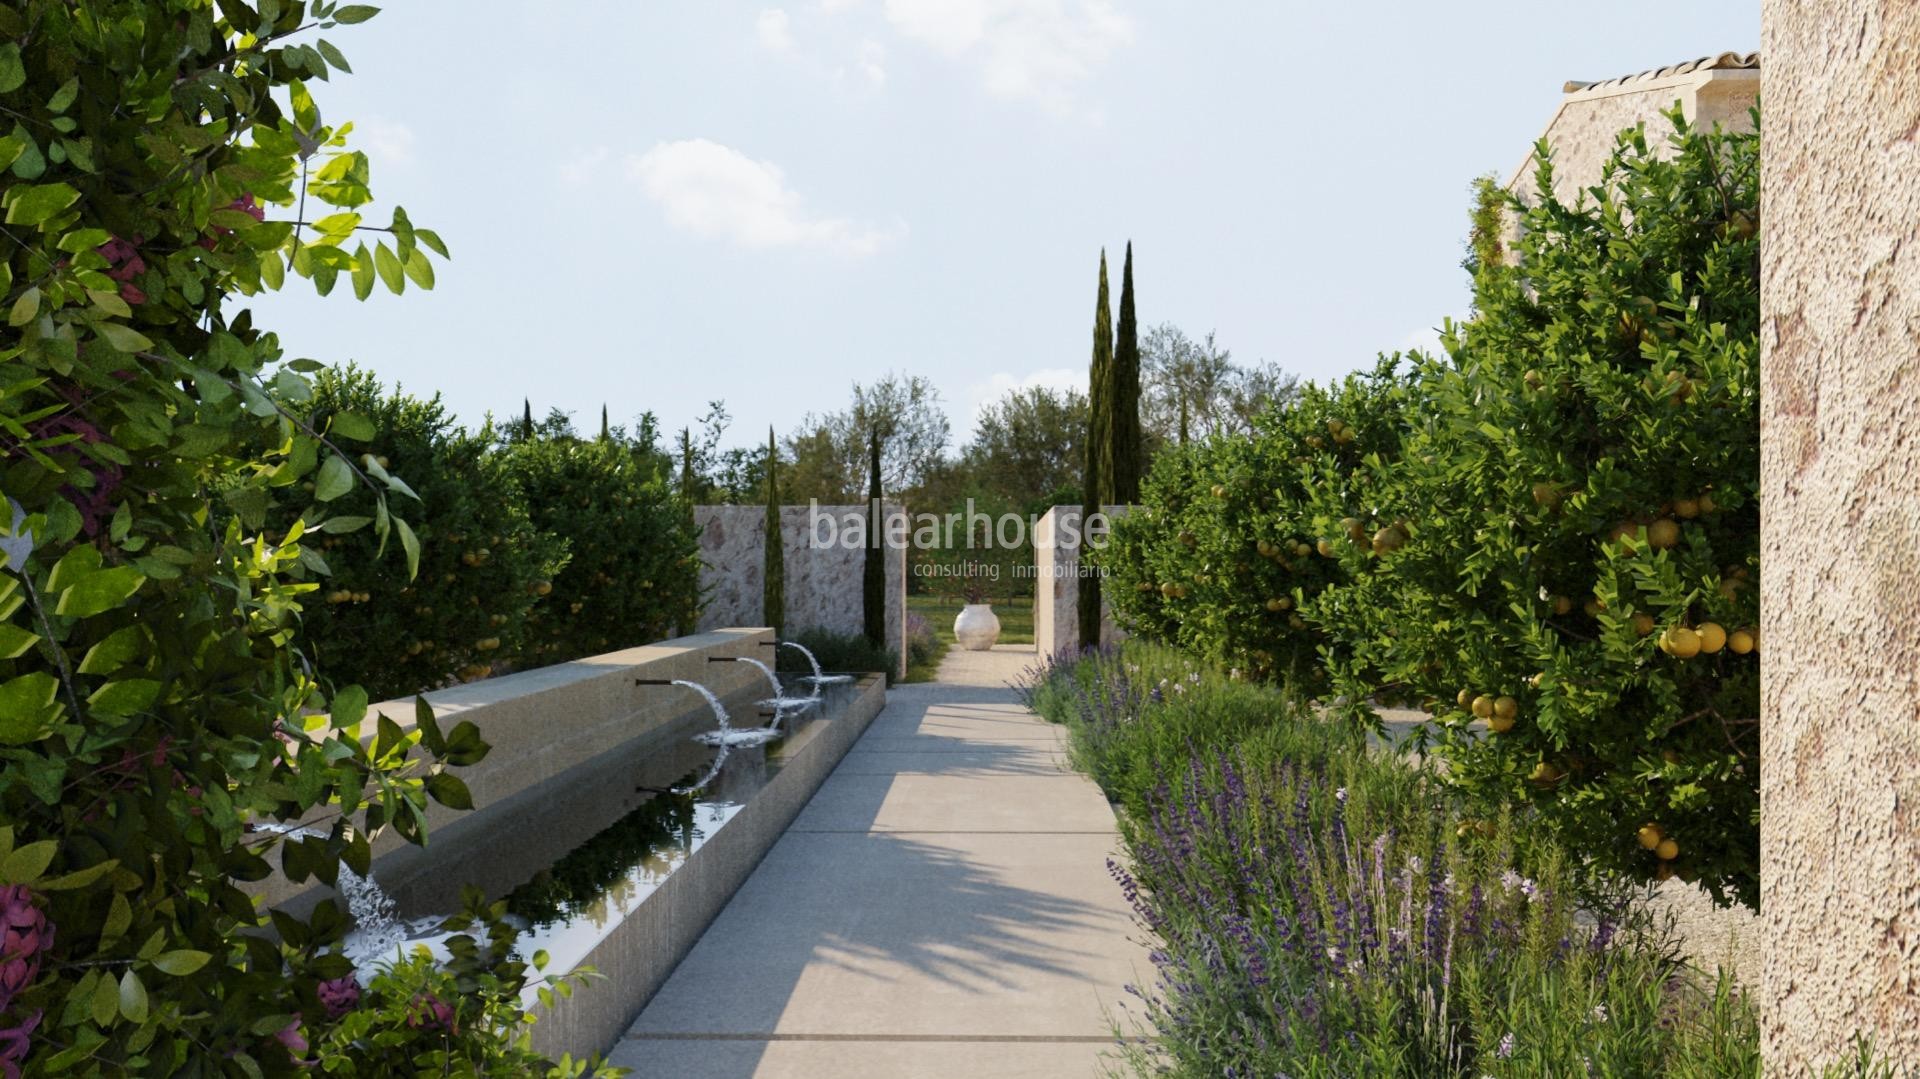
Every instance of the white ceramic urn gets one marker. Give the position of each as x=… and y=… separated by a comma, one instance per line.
x=976, y=627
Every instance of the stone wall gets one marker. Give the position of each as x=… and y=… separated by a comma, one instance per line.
x=1840, y=530
x=823, y=582
x=1714, y=90
x=1056, y=586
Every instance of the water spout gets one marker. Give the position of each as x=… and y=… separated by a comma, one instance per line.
x=818, y=678
x=780, y=702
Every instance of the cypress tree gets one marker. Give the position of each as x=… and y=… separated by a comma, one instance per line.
x=689, y=620
x=526, y=420
x=873, y=580
x=1094, y=484
x=1121, y=467
x=773, y=597
x=606, y=433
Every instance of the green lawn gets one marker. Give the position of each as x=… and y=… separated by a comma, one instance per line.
x=1016, y=627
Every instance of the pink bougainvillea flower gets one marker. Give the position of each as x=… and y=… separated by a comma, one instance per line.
x=25, y=934
x=339, y=996
x=15, y=1042
x=132, y=294
x=291, y=1037
x=428, y=1012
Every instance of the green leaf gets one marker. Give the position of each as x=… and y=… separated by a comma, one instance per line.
x=124, y=697
x=429, y=727
x=64, y=96
x=124, y=338
x=411, y=545
x=11, y=148
x=13, y=74
x=182, y=962
x=133, y=998
x=25, y=865
x=355, y=13
x=362, y=273
x=335, y=479
x=24, y=308
x=273, y=270
x=99, y=592
x=419, y=269
x=35, y=204
x=354, y=426
x=390, y=269
x=448, y=789
x=333, y=55
x=114, y=651
x=79, y=878
x=119, y=917
x=349, y=707
x=24, y=704
x=106, y=995
x=339, y=525
x=15, y=641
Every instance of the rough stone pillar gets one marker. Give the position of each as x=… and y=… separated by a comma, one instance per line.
x=1840, y=483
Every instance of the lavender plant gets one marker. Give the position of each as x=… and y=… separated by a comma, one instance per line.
x=1320, y=909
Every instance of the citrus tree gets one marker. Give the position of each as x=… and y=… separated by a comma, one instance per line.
x=1237, y=534
x=164, y=160
x=623, y=525
x=482, y=565
x=1574, y=593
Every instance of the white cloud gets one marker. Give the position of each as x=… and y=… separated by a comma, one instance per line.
x=834, y=7
x=384, y=140
x=997, y=385
x=709, y=189
x=775, y=30
x=1033, y=50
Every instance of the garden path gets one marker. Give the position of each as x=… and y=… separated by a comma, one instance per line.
x=941, y=908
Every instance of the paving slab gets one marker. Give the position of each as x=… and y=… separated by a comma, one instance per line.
x=855, y=1059
x=989, y=802
x=940, y=908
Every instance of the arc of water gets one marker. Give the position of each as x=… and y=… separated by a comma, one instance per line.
x=820, y=677
x=781, y=702
x=720, y=715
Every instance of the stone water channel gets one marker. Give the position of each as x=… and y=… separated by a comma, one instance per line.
x=618, y=854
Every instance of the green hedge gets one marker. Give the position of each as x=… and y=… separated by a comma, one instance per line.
x=1559, y=523
x=633, y=571
x=482, y=567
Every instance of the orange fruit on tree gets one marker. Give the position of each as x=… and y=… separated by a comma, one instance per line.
x=1680, y=642
x=1713, y=637
x=1667, y=850
x=1741, y=641
x=1505, y=708
x=1274, y=605
x=1663, y=534
x=1500, y=724
x=1483, y=706
x=1465, y=698
x=1642, y=623
x=1649, y=835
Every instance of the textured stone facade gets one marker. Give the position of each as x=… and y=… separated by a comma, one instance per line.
x=1056, y=586
x=1714, y=90
x=823, y=583
x=1840, y=503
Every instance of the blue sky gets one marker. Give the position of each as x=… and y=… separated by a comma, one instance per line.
x=653, y=204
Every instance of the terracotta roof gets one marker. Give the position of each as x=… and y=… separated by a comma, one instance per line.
x=1726, y=60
